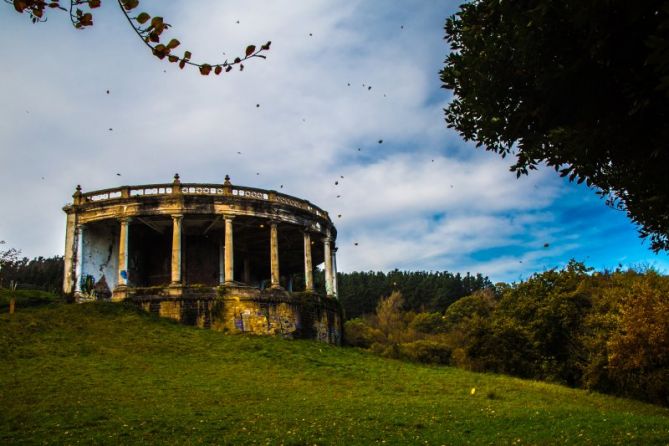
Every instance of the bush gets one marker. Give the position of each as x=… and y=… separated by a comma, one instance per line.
x=426, y=351
x=360, y=334
x=428, y=323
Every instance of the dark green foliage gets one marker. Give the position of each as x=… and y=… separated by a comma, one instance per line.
x=429, y=323
x=603, y=331
x=582, y=86
x=38, y=273
x=359, y=292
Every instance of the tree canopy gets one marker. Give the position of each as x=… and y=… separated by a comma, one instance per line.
x=580, y=86
x=147, y=28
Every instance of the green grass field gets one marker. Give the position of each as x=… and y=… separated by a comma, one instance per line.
x=106, y=374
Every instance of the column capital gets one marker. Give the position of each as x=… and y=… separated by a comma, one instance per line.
x=124, y=219
x=228, y=217
x=177, y=216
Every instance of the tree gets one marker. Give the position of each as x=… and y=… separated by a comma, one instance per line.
x=7, y=257
x=149, y=29
x=580, y=86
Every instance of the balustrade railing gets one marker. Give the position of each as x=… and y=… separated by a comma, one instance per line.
x=150, y=190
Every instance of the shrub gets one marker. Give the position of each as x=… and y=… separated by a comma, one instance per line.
x=360, y=334
x=428, y=323
x=427, y=351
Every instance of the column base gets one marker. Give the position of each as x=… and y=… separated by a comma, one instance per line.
x=175, y=289
x=120, y=293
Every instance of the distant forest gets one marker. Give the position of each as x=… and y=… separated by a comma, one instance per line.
x=359, y=292
x=39, y=273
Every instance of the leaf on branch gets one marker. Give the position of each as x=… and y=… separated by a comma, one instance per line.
x=182, y=64
x=20, y=5
x=143, y=17
x=173, y=44
x=228, y=68
x=160, y=51
x=266, y=46
x=237, y=60
x=218, y=70
x=187, y=55
x=205, y=69
x=86, y=19
x=172, y=58
x=250, y=50
x=241, y=67
x=94, y=3
x=130, y=4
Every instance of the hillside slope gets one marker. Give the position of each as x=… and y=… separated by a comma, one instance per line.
x=106, y=374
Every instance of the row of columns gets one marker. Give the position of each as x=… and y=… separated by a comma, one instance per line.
x=227, y=271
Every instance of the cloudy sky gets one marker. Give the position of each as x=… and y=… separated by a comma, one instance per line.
x=420, y=199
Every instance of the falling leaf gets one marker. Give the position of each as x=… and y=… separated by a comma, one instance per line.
x=546, y=245
x=336, y=183
x=356, y=243
x=473, y=391
x=118, y=174
x=281, y=187
x=359, y=149
x=107, y=91
x=239, y=153
x=110, y=129
x=338, y=215
x=310, y=34
x=257, y=105
x=338, y=196
x=369, y=88
x=341, y=176
x=380, y=141
x=257, y=173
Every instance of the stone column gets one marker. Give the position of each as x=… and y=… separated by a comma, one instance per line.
x=123, y=253
x=335, y=289
x=308, y=267
x=221, y=262
x=79, y=257
x=327, y=250
x=229, y=251
x=274, y=256
x=176, y=248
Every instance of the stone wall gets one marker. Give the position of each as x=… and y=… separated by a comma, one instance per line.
x=267, y=312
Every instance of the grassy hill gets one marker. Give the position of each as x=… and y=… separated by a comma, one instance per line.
x=106, y=374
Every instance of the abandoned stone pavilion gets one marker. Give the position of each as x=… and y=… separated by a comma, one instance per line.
x=219, y=256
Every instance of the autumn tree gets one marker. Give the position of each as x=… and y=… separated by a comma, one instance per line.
x=148, y=28
x=582, y=86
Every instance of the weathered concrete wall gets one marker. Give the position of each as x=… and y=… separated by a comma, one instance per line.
x=278, y=313
x=100, y=258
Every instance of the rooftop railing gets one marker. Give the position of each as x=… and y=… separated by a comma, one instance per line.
x=178, y=188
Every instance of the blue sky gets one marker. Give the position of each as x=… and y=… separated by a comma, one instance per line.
x=422, y=199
